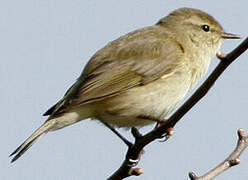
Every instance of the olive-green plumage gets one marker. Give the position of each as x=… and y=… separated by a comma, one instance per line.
x=141, y=76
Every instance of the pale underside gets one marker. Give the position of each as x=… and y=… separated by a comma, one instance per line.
x=134, y=76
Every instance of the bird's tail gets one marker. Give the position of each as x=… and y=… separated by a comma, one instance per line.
x=31, y=140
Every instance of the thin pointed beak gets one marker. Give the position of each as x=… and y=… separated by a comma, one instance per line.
x=225, y=35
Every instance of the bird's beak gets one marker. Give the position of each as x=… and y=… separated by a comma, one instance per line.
x=225, y=35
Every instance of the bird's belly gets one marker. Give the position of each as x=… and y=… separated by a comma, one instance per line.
x=156, y=100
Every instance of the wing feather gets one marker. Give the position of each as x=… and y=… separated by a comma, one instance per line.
x=132, y=60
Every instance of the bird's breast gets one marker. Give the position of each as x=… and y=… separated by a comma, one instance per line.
x=156, y=99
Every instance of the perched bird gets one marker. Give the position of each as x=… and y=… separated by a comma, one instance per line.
x=140, y=77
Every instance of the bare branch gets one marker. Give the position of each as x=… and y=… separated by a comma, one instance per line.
x=231, y=161
x=134, y=151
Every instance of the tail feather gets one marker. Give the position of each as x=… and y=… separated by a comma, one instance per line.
x=31, y=140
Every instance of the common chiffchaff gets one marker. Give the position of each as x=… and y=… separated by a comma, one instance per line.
x=141, y=77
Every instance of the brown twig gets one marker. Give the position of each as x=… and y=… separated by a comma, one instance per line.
x=134, y=152
x=231, y=161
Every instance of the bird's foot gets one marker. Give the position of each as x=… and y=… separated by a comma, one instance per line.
x=167, y=135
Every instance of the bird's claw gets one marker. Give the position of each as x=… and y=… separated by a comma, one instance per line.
x=164, y=138
x=167, y=135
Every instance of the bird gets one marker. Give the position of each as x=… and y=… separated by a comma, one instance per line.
x=141, y=77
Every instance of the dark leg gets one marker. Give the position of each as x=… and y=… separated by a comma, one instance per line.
x=160, y=122
x=128, y=143
x=167, y=135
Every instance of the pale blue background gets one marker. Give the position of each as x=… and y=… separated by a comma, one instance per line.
x=44, y=46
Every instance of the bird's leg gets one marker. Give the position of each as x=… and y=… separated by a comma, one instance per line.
x=160, y=122
x=167, y=135
x=128, y=143
x=136, y=134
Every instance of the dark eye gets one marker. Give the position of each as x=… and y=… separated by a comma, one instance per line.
x=206, y=28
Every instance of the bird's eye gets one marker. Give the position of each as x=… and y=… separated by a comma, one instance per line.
x=206, y=28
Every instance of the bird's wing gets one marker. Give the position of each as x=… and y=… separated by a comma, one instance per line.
x=121, y=65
